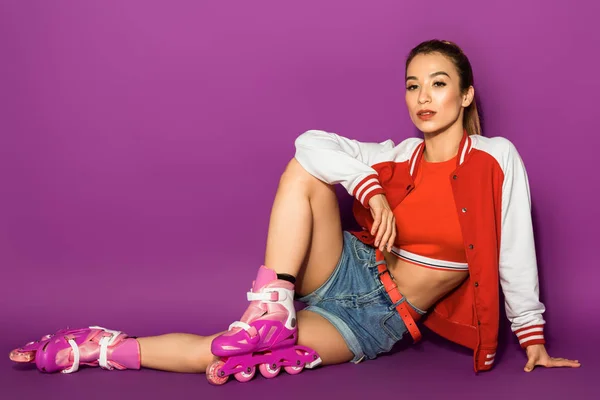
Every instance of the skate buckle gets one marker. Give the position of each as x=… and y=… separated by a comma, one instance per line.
x=110, y=333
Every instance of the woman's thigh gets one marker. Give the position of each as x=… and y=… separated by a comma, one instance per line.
x=317, y=333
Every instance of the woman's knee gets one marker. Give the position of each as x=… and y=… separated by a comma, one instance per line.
x=296, y=174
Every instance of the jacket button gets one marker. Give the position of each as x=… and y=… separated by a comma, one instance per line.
x=464, y=210
x=455, y=177
x=408, y=187
x=471, y=246
x=476, y=284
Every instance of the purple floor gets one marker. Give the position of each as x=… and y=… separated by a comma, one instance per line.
x=431, y=369
x=142, y=142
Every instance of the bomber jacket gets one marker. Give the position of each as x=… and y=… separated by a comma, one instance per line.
x=491, y=193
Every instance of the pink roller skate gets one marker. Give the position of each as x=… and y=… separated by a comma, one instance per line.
x=66, y=350
x=265, y=336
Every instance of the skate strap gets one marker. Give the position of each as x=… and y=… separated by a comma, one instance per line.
x=407, y=313
x=263, y=296
x=75, y=366
x=239, y=324
x=108, y=338
x=113, y=334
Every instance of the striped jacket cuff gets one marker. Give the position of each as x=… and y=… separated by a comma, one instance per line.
x=366, y=189
x=529, y=335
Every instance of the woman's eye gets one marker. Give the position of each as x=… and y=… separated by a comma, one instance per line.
x=411, y=87
x=439, y=84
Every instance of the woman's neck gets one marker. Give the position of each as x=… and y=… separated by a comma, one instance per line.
x=442, y=146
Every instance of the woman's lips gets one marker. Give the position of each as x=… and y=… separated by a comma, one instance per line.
x=425, y=115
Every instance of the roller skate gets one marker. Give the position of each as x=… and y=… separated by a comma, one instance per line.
x=265, y=336
x=67, y=350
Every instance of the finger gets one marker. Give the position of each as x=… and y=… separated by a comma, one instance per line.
x=384, y=229
x=389, y=240
x=393, y=235
x=563, y=363
x=376, y=221
x=380, y=227
x=530, y=365
x=563, y=359
x=388, y=232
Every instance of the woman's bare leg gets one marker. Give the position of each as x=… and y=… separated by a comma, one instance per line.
x=182, y=352
x=319, y=334
x=305, y=232
x=176, y=352
x=304, y=240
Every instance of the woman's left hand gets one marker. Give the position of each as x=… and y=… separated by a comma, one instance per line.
x=538, y=356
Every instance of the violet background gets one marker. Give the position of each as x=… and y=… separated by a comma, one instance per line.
x=141, y=143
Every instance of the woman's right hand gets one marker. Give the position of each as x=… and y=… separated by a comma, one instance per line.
x=384, y=222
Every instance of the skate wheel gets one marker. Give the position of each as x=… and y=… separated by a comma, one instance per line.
x=213, y=373
x=294, y=370
x=245, y=376
x=22, y=356
x=267, y=371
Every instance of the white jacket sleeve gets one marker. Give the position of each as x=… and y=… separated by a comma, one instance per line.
x=518, y=264
x=335, y=159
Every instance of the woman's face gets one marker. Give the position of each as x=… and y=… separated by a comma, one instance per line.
x=433, y=94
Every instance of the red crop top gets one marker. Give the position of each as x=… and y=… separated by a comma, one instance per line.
x=428, y=229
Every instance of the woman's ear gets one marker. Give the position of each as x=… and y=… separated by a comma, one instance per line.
x=468, y=97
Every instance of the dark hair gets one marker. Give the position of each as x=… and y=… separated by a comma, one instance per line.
x=471, y=120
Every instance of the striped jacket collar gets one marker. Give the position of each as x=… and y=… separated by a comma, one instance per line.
x=464, y=148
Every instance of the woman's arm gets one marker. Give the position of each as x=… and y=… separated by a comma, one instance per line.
x=518, y=266
x=335, y=159
x=518, y=263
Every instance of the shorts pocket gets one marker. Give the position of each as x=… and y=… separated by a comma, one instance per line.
x=369, y=298
x=363, y=253
x=391, y=326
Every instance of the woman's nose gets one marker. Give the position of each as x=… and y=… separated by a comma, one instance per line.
x=424, y=97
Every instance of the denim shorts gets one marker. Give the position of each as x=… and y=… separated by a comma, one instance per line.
x=354, y=300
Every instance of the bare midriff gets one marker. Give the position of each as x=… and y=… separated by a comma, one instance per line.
x=422, y=286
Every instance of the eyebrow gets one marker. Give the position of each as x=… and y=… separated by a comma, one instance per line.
x=431, y=75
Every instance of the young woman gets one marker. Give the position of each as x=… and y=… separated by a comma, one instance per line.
x=446, y=222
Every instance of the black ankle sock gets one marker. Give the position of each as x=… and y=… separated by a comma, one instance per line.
x=287, y=277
